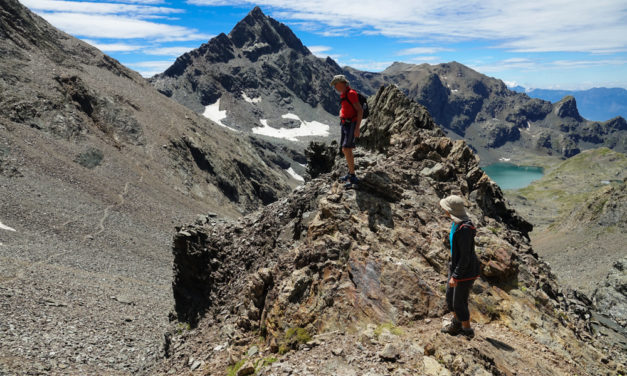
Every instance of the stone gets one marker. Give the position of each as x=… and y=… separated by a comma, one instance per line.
x=246, y=369
x=433, y=368
x=195, y=365
x=390, y=353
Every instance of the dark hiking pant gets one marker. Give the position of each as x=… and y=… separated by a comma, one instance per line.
x=457, y=298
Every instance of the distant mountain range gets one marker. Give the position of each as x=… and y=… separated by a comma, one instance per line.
x=598, y=103
x=261, y=79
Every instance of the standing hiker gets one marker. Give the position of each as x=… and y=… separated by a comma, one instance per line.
x=351, y=114
x=463, y=268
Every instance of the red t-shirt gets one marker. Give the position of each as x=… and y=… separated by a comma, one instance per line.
x=348, y=111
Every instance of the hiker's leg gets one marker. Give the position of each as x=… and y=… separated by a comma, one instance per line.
x=460, y=302
x=350, y=159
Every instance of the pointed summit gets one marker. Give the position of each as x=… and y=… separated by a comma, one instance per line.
x=567, y=107
x=258, y=34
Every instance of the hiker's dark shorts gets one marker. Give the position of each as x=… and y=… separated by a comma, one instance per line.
x=457, y=298
x=348, y=134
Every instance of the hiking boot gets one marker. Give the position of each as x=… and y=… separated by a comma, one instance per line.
x=352, y=182
x=454, y=328
x=467, y=332
x=345, y=178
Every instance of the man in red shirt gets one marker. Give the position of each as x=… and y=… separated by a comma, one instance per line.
x=351, y=114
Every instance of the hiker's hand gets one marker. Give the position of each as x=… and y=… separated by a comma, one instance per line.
x=452, y=282
x=356, y=132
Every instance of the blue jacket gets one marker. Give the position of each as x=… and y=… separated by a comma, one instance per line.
x=464, y=262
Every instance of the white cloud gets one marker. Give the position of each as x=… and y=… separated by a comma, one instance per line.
x=522, y=26
x=524, y=64
x=119, y=27
x=423, y=59
x=168, y=51
x=150, y=68
x=367, y=65
x=421, y=50
x=319, y=50
x=114, y=20
x=96, y=8
x=114, y=47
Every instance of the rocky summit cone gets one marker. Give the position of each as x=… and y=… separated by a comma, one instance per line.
x=329, y=281
x=258, y=34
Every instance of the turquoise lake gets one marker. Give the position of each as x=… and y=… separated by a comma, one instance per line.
x=511, y=176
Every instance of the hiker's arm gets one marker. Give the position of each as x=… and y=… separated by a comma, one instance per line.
x=463, y=242
x=360, y=114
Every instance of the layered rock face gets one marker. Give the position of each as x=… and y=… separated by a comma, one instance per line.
x=334, y=281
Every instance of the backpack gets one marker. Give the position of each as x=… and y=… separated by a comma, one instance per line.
x=362, y=100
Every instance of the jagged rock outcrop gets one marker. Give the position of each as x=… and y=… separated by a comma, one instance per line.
x=352, y=281
x=611, y=296
x=567, y=108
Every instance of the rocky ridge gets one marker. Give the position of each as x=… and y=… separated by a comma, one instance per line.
x=351, y=282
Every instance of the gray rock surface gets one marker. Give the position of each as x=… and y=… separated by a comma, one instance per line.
x=96, y=168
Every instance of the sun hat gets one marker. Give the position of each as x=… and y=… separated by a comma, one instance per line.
x=339, y=78
x=455, y=205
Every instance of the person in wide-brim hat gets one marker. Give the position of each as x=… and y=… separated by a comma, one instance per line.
x=464, y=267
x=455, y=207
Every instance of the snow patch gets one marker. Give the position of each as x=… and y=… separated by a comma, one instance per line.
x=290, y=116
x=307, y=128
x=4, y=227
x=250, y=100
x=213, y=113
x=505, y=159
x=294, y=175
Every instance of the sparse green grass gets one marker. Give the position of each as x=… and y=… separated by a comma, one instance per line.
x=182, y=326
x=293, y=337
x=390, y=328
x=301, y=335
x=260, y=363
x=232, y=370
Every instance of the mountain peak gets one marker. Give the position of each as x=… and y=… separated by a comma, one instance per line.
x=567, y=107
x=257, y=13
x=259, y=34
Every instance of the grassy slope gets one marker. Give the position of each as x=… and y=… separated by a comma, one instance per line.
x=567, y=185
x=568, y=188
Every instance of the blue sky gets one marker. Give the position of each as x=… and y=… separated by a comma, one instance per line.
x=565, y=44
